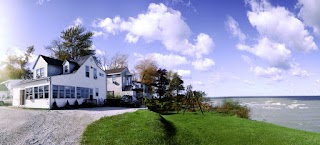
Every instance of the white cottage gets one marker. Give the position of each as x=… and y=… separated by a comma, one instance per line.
x=61, y=81
x=120, y=82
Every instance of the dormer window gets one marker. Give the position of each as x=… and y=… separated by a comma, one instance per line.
x=66, y=69
x=39, y=73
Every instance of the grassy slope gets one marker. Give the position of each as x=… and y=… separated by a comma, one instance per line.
x=144, y=127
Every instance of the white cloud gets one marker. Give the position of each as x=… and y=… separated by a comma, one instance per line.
x=184, y=73
x=159, y=23
x=76, y=22
x=97, y=33
x=279, y=25
x=233, y=26
x=271, y=73
x=277, y=55
x=247, y=59
x=298, y=72
x=317, y=81
x=203, y=64
x=168, y=61
x=309, y=12
x=199, y=83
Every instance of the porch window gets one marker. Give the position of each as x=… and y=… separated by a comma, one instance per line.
x=78, y=92
x=68, y=91
x=46, y=91
x=29, y=93
x=87, y=71
x=61, y=91
x=36, y=92
x=73, y=89
x=41, y=92
x=55, y=91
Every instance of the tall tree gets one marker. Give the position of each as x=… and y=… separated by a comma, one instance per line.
x=147, y=70
x=176, y=83
x=161, y=82
x=15, y=67
x=74, y=43
x=118, y=61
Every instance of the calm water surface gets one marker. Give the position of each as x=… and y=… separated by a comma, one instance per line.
x=295, y=112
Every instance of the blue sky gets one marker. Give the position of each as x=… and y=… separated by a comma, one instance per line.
x=225, y=48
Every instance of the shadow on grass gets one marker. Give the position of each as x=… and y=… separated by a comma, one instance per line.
x=170, y=131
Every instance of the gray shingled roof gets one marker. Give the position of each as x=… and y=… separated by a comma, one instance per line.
x=117, y=70
x=52, y=61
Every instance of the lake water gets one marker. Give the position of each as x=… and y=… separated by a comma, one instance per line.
x=301, y=112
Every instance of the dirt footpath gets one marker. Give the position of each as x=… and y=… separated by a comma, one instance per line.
x=23, y=126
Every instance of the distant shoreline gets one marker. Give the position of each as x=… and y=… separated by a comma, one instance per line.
x=260, y=97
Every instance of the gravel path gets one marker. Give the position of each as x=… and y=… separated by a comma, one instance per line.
x=23, y=126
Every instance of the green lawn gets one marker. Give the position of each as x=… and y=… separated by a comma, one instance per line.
x=145, y=127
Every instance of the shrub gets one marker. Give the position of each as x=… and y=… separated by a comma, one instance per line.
x=234, y=108
x=54, y=105
x=67, y=106
x=76, y=104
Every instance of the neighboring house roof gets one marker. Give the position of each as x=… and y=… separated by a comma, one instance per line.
x=115, y=71
x=3, y=87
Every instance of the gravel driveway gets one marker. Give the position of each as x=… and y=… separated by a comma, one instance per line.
x=23, y=126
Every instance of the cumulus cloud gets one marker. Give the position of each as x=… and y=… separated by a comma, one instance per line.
x=298, y=72
x=159, y=23
x=280, y=25
x=233, y=26
x=309, y=12
x=166, y=61
x=248, y=82
x=184, y=73
x=76, y=22
x=271, y=73
x=203, y=64
x=276, y=54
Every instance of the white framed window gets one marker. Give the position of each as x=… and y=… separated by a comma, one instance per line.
x=101, y=75
x=61, y=91
x=87, y=71
x=41, y=90
x=73, y=92
x=95, y=75
x=36, y=92
x=46, y=91
x=66, y=69
x=39, y=73
x=68, y=91
x=55, y=90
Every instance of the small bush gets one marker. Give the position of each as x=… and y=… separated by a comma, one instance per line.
x=67, y=106
x=76, y=104
x=234, y=108
x=54, y=105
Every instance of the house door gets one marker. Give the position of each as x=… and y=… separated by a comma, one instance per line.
x=22, y=97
